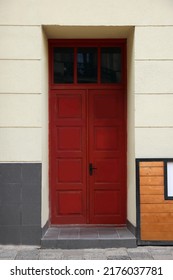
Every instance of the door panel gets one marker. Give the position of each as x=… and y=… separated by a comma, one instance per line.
x=113, y=206
x=107, y=154
x=106, y=138
x=88, y=126
x=107, y=171
x=68, y=156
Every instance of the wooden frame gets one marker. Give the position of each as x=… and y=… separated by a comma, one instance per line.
x=167, y=197
x=138, y=202
x=82, y=86
x=71, y=43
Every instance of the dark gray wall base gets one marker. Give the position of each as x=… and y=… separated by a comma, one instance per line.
x=131, y=227
x=15, y=235
x=20, y=203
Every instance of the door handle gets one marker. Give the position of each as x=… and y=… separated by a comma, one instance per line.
x=91, y=168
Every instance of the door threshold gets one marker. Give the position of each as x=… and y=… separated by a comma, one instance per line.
x=87, y=225
x=79, y=237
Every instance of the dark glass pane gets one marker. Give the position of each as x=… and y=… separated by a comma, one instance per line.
x=63, y=65
x=87, y=65
x=111, y=65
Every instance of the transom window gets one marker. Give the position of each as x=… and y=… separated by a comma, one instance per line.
x=87, y=65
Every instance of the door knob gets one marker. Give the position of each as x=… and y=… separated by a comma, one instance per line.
x=91, y=168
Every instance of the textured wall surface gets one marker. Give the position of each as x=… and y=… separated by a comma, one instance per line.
x=20, y=203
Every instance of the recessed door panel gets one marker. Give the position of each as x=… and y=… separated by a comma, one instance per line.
x=107, y=171
x=69, y=106
x=110, y=209
x=106, y=138
x=69, y=139
x=70, y=203
x=69, y=170
x=106, y=107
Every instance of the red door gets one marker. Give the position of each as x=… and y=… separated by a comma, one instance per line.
x=69, y=156
x=89, y=157
x=107, y=157
x=87, y=135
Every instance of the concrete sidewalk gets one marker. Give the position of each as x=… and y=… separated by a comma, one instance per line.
x=35, y=253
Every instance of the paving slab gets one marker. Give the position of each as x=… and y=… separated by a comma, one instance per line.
x=73, y=254
x=50, y=254
x=8, y=254
x=163, y=257
x=94, y=256
x=140, y=256
x=116, y=252
x=73, y=257
x=118, y=258
x=160, y=251
x=138, y=249
x=27, y=255
x=35, y=253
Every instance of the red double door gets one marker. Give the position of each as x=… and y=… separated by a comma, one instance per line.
x=88, y=156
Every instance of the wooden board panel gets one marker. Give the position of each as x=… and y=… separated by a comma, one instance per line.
x=149, y=190
x=157, y=236
x=153, y=199
x=156, y=218
x=156, y=208
x=157, y=227
x=151, y=180
x=151, y=163
x=151, y=171
x=156, y=213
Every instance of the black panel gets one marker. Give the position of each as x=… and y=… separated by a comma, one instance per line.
x=167, y=196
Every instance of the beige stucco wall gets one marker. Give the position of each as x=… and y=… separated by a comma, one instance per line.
x=131, y=185
x=154, y=91
x=91, y=12
x=20, y=93
x=45, y=132
x=147, y=24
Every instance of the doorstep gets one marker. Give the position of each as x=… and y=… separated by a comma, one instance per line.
x=87, y=237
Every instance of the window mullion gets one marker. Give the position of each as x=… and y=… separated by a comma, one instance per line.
x=99, y=65
x=75, y=65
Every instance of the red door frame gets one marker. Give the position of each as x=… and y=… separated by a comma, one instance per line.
x=75, y=43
